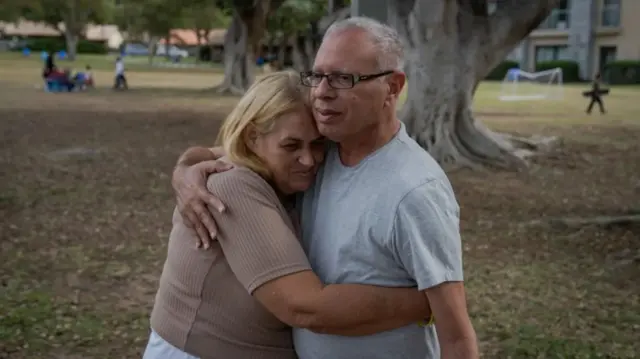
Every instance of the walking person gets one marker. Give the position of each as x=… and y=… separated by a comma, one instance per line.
x=596, y=95
x=120, y=79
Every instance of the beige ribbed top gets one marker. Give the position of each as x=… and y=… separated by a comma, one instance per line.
x=203, y=305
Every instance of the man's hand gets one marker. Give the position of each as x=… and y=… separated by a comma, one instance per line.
x=190, y=184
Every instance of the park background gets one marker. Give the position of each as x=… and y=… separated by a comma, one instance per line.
x=552, y=252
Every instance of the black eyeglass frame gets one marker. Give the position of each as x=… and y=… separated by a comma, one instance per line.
x=355, y=79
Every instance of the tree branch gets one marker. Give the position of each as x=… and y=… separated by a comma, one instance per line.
x=512, y=22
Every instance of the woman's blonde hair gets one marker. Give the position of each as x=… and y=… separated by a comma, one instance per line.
x=262, y=105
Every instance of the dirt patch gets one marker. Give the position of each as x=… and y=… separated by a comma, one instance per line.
x=86, y=205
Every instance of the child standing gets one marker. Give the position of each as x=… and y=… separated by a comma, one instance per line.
x=120, y=79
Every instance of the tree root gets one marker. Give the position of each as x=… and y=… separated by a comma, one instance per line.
x=533, y=143
x=600, y=221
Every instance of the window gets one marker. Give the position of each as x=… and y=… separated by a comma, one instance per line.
x=559, y=17
x=552, y=53
x=610, y=13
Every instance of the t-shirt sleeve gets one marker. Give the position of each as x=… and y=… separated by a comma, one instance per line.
x=253, y=235
x=426, y=234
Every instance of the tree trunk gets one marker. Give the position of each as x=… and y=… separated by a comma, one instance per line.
x=239, y=59
x=199, y=37
x=282, y=52
x=153, y=45
x=306, y=44
x=71, y=40
x=241, y=44
x=450, y=47
x=304, y=50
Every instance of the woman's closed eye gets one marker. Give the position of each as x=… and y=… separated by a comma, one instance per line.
x=291, y=146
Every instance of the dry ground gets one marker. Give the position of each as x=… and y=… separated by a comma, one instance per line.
x=86, y=201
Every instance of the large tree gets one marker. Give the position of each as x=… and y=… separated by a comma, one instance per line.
x=451, y=45
x=202, y=16
x=312, y=18
x=70, y=17
x=242, y=41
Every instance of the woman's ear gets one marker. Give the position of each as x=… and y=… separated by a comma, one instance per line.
x=250, y=137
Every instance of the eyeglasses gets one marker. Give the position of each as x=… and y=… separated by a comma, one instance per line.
x=336, y=80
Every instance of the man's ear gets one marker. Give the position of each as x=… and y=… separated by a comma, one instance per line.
x=396, y=82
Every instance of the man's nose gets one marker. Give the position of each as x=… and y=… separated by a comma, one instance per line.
x=323, y=90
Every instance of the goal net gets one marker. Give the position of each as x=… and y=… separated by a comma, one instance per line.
x=520, y=85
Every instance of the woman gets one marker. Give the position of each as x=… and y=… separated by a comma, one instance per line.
x=239, y=298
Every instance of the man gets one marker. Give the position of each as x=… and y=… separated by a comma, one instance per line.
x=596, y=95
x=381, y=212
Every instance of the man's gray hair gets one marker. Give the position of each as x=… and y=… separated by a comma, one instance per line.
x=384, y=37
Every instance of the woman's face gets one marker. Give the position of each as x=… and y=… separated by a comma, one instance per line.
x=292, y=151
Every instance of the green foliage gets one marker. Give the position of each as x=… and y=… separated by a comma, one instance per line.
x=499, y=72
x=92, y=47
x=205, y=15
x=295, y=16
x=75, y=14
x=622, y=72
x=570, y=69
x=58, y=43
x=158, y=17
x=11, y=10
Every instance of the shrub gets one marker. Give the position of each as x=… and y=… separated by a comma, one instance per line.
x=622, y=72
x=55, y=44
x=570, y=69
x=499, y=72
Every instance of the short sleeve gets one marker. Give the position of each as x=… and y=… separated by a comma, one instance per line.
x=253, y=233
x=426, y=234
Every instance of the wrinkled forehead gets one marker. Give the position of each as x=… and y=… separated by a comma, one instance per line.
x=347, y=51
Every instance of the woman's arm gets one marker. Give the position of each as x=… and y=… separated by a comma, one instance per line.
x=267, y=258
x=189, y=183
x=302, y=301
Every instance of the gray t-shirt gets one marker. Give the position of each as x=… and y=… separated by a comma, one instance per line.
x=392, y=220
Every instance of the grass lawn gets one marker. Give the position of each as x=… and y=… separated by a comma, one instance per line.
x=86, y=203
x=107, y=63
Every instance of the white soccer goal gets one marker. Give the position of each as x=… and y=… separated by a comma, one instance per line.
x=520, y=85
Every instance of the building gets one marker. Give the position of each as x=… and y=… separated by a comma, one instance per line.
x=590, y=32
x=109, y=34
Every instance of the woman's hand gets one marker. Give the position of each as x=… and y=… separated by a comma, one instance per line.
x=190, y=185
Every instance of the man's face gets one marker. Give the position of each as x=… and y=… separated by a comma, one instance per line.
x=342, y=113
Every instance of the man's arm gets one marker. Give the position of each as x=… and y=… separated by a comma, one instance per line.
x=426, y=234
x=267, y=258
x=189, y=182
x=455, y=331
